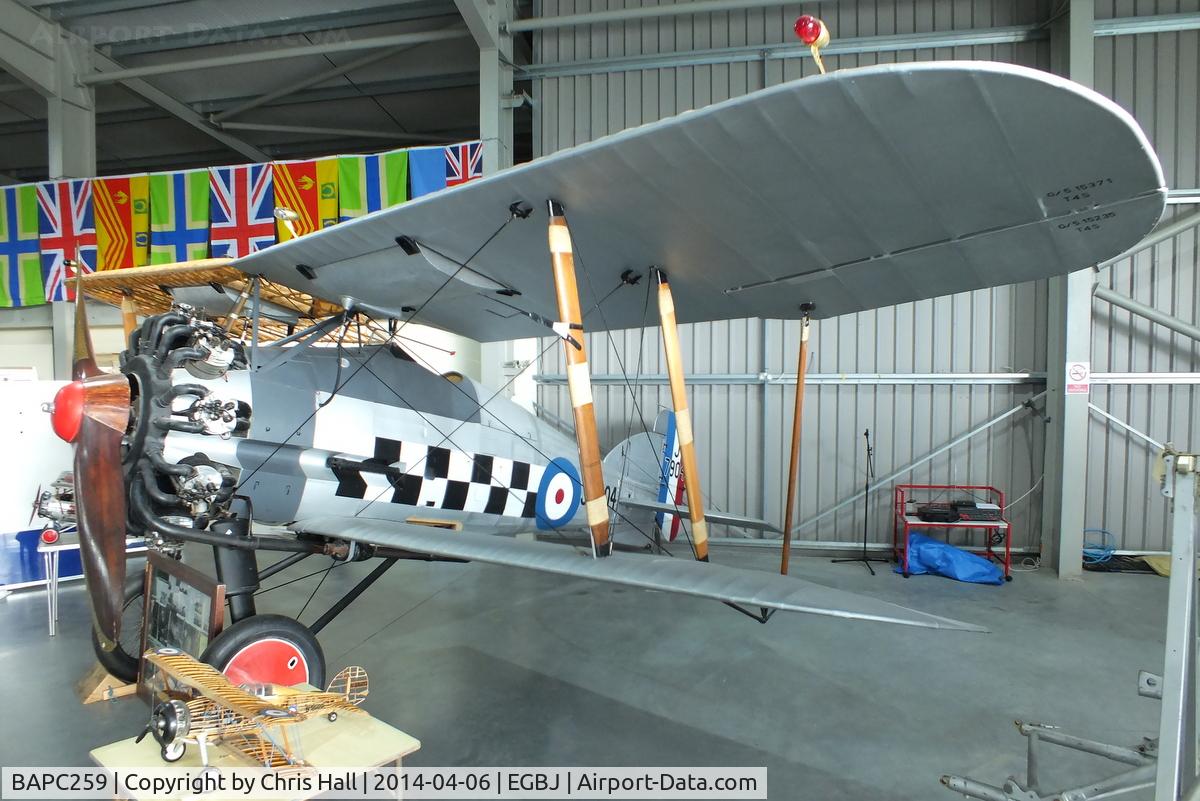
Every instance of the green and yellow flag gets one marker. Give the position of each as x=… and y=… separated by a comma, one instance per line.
x=371, y=183
x=178, y=216
x=20, y=251
x=122, y=221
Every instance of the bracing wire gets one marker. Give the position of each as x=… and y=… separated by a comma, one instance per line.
x=625, y=376
x=313, y=594
x=446, y=437
x=392, y=335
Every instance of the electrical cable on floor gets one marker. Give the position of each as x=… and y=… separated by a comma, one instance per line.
x=1098, y=553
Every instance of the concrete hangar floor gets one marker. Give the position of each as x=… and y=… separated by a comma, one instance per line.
x=495, y=666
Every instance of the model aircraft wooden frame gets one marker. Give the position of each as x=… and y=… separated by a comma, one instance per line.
x=251, y=720
x=833, y=194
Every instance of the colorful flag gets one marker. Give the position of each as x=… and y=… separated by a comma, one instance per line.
x=309, y=188
x=243, y=210
x=122, y=221
x=434, y=168
x=67, y=231
x=178, y=216
x=20, y=259
x=371, y=183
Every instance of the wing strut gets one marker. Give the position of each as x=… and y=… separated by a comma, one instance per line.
x=129, y=312
x=683, y=417
x=794, y=462
x=579, y=381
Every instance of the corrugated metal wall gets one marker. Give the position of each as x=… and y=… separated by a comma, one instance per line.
x=743, y=428
x=1154, y=77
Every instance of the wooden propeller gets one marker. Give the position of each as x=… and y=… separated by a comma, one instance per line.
x=93, y=412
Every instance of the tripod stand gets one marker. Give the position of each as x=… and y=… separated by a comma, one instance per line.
x=865, y=558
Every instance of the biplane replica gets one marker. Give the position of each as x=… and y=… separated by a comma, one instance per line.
x=252, y=719
x=832, y=194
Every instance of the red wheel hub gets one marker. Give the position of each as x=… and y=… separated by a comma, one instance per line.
x=268, y=661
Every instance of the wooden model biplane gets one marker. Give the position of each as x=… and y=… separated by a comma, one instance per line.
x=253, y=720
x=837, y=193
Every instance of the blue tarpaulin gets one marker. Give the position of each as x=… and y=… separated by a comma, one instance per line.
x=927, y=555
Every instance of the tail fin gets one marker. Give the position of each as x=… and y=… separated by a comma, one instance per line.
x=646, y=469
x=645, y=482
x=351, y=683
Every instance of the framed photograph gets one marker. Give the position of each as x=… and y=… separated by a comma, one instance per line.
x=184, y=609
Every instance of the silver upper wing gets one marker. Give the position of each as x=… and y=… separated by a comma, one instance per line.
x=857, y=189
x=751, y=588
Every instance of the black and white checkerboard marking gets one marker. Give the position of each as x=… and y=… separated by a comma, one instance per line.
x=441, y=478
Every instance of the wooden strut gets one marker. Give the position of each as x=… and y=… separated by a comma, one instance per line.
x=579, y=382
x=128, y=314
x=683, y=417
x=794, y=463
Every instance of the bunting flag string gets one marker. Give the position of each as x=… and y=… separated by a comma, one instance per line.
x=118, y=222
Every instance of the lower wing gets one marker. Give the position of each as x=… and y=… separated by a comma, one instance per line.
x=750, y=588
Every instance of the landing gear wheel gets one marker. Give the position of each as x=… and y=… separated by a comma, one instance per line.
x=268, y=649
x=1008, y=578
x=123, y=661
x=173, y=751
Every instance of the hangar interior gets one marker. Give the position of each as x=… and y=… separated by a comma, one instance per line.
x=493, y=666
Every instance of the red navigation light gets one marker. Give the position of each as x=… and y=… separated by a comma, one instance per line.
x=808, y=28
x=67, y=413
x=49, y=536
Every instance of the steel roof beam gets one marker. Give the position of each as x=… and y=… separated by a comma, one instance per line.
x=292, y=26
x=29, y=47
x=178, y=109
x=68, y=9
x=375, y=89
x=40, y=52
x=481, y=19
x=238, y=59
x=394, y=136
x=851, y=45
x=783, y=50
x=1119, y=26
x=1156, y=23
x=629, y=14
x=291, y=87
x=422, y=83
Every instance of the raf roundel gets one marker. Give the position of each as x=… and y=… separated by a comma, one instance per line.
x=558, y=494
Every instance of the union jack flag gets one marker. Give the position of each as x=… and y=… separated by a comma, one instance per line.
x=67, y=230
x=243, y=210
x=464, y=162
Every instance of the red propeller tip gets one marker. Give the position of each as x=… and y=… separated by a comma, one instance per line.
x=808, y=28
x=66, y=415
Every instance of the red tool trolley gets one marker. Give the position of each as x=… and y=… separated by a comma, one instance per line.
x=907, y=497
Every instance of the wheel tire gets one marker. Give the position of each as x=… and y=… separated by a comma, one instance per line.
x=268, y=649
x=173, y=752
x=124, y=660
